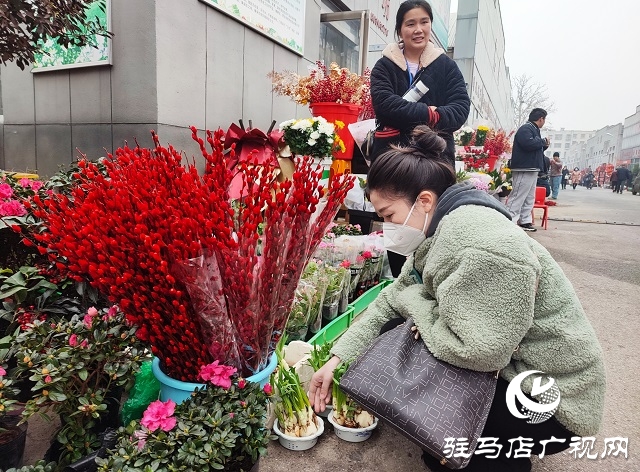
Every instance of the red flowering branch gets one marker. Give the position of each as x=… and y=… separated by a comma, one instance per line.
x=181, y=259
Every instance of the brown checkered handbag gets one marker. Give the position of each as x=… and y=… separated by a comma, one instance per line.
x=427, y=400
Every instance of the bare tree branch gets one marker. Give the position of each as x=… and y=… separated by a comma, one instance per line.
x=528, y=95
x=25, y=24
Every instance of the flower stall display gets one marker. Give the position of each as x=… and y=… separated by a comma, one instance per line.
x=463, y=136
x=480, y=135
x=337, y=279
x=316, y=278
x=314, y=137
x=351, y=422
x=168, y=245
x=220, y=427
x=298, y=322
x=80, y=366
x=335, y=93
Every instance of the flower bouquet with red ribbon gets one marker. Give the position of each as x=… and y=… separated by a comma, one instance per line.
x=204, y=277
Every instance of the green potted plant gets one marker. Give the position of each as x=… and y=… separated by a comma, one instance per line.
x=351, y=422
x=220, y=427
x=12, y=435
x=296, y=425
x=80, y=368
x=336, y=277
x=319, y=356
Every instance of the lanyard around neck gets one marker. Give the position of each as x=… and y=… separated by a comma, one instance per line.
x=409, y=71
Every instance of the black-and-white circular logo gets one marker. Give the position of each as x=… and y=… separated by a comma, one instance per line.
x=547, y=396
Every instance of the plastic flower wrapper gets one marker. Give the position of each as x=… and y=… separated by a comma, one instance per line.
x=298, y=322
x=313, y=275
x=127, y=231
x=337, y=278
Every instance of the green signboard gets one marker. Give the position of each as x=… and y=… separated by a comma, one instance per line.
x=97, y=52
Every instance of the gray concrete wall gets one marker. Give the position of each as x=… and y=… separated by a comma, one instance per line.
x=170, y=71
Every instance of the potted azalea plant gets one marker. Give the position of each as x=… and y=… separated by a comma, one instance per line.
x=172, y=249
x=219, y=427
x=12, y=435
x=80, y=368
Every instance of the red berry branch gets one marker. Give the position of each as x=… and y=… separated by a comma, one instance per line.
x=181, y=259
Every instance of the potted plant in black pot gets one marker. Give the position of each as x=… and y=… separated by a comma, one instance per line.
x=81, y=367
x=12, y=435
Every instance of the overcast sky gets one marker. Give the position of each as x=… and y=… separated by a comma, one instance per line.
x=585, y=51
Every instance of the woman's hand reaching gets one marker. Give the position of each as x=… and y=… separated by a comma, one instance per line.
x=320, y=387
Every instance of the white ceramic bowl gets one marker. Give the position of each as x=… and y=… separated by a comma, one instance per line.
x=298, y=444
x=352, y=434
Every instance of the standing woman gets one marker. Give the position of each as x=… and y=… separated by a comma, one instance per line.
x=576, y=175
x=444, y=107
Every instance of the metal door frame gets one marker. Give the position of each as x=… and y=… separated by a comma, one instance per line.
x=363, y=16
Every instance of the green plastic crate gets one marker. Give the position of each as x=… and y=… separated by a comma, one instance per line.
x=363, y=301
x=335, y=329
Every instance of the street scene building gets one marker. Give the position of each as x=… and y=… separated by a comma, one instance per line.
x=630, y=152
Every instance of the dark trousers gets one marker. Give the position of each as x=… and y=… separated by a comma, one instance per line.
x=503, y=425
x=618, y=187
x=563, y=183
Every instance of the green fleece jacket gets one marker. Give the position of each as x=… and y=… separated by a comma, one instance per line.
x=488, y=288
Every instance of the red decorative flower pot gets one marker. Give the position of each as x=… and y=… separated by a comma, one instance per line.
x=492, y=161
x=345, y=112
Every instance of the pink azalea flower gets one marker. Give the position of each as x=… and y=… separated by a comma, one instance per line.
x=36, y=185
x=217, y=374
x=5, y=191
x=141, y=436
x=159, y=415
x=88, y=318
x=47, y=379
x=346, y=263
x=73, y=340
x=26, y=183
x=113, y=311
x=12, y=208
x=367, y=254
x=84, y=344
x=267, y=389
x=242, y=383
x=2, y=372
x=231, y=415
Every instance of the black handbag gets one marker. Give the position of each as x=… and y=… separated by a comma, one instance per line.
x=427, y=400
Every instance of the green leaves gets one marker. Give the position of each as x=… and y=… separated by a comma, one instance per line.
x=216, y=429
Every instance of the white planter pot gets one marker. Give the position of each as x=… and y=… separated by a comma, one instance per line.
x=352, y=434
x=298, y=444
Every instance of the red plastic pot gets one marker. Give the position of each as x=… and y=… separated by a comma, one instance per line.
x=347, y=113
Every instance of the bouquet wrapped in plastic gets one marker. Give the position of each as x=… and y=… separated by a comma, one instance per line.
x=181, y=258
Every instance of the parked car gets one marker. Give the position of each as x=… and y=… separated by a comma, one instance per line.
x=636, y=185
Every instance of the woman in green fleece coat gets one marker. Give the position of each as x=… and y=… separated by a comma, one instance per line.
x=483, y=295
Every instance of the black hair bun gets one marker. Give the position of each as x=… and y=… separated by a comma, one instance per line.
x=427, y=143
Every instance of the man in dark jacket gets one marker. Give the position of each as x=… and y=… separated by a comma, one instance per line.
x=624, y=174
x=527, y=160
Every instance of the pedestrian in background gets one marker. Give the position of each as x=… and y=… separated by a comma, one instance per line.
x=576, y=175
x=527, y=160
x=415, y=60
x=588, y=178
x=614, y=180
x=555, y=173
x=543, y=177
x=565, y=177
x=623, y=175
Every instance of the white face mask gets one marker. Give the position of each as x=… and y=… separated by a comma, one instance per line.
x=403, y=239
